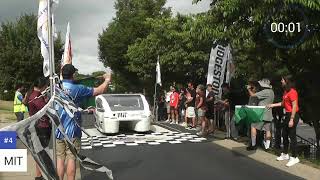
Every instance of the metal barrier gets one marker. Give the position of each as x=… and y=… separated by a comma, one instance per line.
x=222, y=119
x=305, y=147
x=314, y=150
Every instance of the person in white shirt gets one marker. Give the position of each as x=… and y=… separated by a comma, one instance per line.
x=168, y=94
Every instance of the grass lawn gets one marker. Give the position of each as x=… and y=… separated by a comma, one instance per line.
x=6, y=105
x=6, y=111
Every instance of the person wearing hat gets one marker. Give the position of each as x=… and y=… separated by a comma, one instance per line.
x=265, y=97
x=77, y=92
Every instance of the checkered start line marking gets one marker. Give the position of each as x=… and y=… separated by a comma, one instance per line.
x=104, y=141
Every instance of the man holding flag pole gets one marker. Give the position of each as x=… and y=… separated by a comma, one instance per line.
x=59, y=104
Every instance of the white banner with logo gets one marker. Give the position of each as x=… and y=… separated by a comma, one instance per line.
x=42, y=29
x=158, y=78
x=217, y=67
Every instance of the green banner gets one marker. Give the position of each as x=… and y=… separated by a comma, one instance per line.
x=249, y=114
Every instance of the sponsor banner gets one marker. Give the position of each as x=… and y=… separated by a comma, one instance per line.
x=217, y=67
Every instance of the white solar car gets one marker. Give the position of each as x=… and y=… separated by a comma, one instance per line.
x=112, y=109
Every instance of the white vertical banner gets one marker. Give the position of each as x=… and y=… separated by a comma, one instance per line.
x=42, y=31
x=230, y=66
x=158, y=78
x=67, y=55
x=217, y=68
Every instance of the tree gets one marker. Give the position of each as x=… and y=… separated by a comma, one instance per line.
x=124, y=30
x=183, y=57
x=241, y=23
x=20, y=56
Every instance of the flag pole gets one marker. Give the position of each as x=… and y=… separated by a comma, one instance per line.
x=52, y=71
x=154, y=102
x=154, y=98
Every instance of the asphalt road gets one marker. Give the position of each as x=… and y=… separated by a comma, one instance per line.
x=186, y=161
x=179, y=161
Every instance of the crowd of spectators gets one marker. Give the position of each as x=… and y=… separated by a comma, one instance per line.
x=200, y=109
x=193, y=107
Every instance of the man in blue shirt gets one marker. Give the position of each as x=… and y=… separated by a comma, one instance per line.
x=77, y=93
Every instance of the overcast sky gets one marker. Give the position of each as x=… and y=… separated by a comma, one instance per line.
x=87, y=19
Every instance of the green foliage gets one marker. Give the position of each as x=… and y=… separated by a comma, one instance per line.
x=124, y=30
x=20, y=56
x=136, y=37
x=241, y=23
x=183, y=57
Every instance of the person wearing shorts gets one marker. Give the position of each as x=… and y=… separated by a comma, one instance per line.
x=77, y=93
x=201, y=109
x=63, y=149
x=190, y=103
x=265, y=97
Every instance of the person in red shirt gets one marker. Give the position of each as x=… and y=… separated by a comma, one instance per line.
x=43, y=126
x=290, y=104
x=174, y=101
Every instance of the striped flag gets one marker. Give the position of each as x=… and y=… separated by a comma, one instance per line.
x=28, y=135
x=42, y=31
x=67, y=55
x=158, y=78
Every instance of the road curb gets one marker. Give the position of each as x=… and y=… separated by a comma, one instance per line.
x=299, y=170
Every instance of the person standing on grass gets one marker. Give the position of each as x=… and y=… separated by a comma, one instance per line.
x=290, y=104
x=19, y=102
x=43, y=126
x=265, y=96
x=174, y=102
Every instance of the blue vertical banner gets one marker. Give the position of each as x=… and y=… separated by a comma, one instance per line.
x=8, y=140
